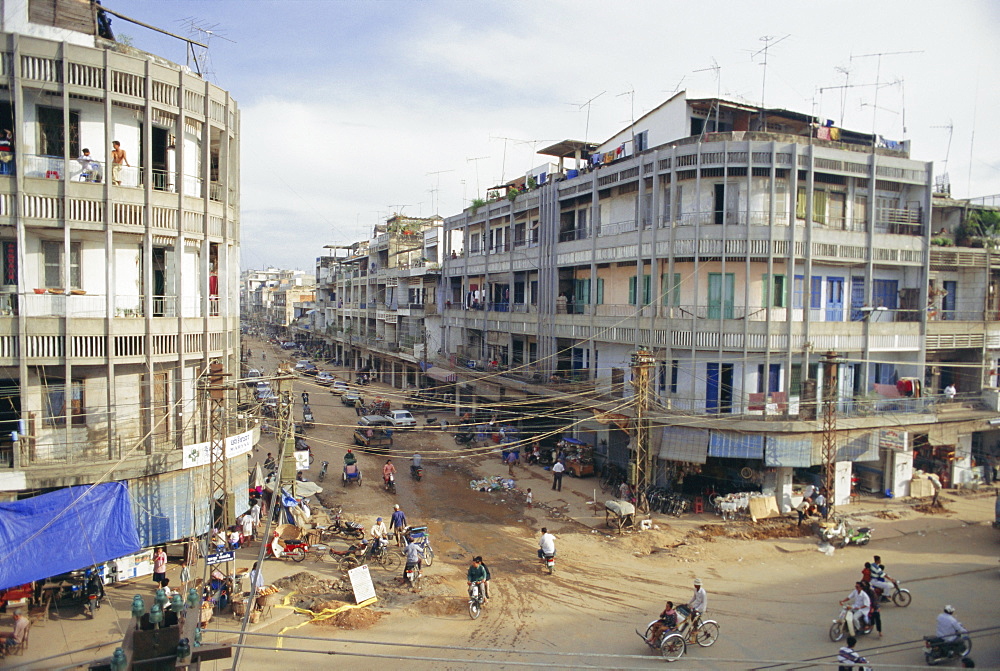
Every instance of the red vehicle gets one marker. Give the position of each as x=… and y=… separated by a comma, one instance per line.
x=15, y=593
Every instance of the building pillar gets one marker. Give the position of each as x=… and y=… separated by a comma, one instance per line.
x=841, y=494
x=783, y=487
x=899, y=472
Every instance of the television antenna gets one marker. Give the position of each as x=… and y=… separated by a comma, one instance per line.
x=580, y=106
x=437, y=187
x=209, y=31
x=878, y=82
x=476, y=160
x=769, y=41
x=717, y=73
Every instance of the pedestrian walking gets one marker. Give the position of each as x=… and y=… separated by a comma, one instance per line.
x=359, y=407
x=397, y=524
x=528, y=497
x=557, y=475
x=185, y=577
x=511, y=460
x=305, y=398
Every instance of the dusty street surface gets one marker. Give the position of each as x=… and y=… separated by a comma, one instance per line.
x=773, y=593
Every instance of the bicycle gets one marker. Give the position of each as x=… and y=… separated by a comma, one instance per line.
x=696, y=630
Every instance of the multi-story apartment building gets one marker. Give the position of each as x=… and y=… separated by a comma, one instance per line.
x=373, y=304
x=120, y=282
x=738, y=245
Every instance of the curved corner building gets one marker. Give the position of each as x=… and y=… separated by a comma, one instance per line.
x=119, y=283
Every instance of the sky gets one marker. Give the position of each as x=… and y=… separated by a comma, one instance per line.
x=352, y=110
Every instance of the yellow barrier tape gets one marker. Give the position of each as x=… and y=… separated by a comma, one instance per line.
x=324, y=614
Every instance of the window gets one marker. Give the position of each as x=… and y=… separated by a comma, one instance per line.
x=600, y=291
x=798, y=291
x=534, y=293
x=532, y=352
x=51, y=135
x=772, y=375
x=675, y=366
x=52, y=261
x=646, y=289
x=642, y=141
x=519, y=230
x=474, y=243
x=670, y=293
x=775, y=291
x=815, y=292
x=55, y=403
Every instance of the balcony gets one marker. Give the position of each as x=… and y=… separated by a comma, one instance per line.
x=54, y=167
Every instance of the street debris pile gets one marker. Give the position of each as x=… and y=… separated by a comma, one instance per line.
x=887, y=515
x=931, y=509
x=493, y=483
x=310, y=584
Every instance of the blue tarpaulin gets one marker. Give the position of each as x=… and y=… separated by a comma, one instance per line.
x=65, y=530
x=735, y=445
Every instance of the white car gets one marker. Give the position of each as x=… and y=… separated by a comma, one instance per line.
x=338, y=387
x=401, y=419
x=325, y=378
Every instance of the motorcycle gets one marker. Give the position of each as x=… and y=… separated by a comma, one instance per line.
x=308, y=421
x=476, y=599
x=292, y=549
x=938, y=649
x=843, y=535
x=550, y=562
x=93, y=603
x=412, y=573
x=899, y=596
x=464, y=438
x=417, y=472
x=322, y=472
x=390, y=484
x=844, y=625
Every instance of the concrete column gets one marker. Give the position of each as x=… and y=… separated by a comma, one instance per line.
x=900, y=472
x=961, y=467
x=783, y=488
x=841, y=494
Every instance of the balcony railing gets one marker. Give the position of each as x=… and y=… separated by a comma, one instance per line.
x=63, y=305
x=214, y=306
x=617, y=227
x=574, y=234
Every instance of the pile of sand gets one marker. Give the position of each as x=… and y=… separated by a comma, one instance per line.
x=310, y=583
x=930, y=509
x=352, y=618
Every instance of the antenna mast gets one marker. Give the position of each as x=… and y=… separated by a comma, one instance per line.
x=763, y=84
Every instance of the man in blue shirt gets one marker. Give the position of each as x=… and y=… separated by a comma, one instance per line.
x=397, y=524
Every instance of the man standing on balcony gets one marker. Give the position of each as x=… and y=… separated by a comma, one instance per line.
x=117, y=159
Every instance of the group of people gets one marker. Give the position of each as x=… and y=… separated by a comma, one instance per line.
x=670, y=619
x=814, y=502
x=866, y=597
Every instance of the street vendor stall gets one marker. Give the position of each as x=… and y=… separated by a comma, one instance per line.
x=619, y=515
x=579, y=457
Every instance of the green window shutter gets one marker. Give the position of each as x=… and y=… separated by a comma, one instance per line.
x=600, y=291
x=647, y=289
x=780, y=291
x=632, y=283
x=665, y=288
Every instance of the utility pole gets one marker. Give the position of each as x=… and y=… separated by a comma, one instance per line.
x=830, y=425
x=215, y=390
x=643, y=460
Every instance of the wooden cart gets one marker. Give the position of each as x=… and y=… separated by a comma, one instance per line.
x=579, y=457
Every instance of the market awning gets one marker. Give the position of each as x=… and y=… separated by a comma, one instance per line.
x=441, y=374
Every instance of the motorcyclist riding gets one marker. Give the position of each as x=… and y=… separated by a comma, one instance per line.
x=414, y=558
x=416, y=463
x=860, y=603
x=387, y=470
x=476, y=575
x=349, y=458
x=879, y=578
x=948, y=627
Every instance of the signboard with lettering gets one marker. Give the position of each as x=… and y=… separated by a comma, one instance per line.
x=893, y=439
x=361, y=583
x=198, y=454
x=220, y=557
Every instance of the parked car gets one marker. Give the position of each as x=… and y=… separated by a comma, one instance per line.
x=401, y=419
x=302, y=364
x=289, y=345
x=339, y=387
x=310, y=370
x=325, y=378
x=351, y=397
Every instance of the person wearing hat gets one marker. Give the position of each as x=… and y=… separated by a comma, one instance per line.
x=380, y=536
x=349, y=458
x=699, y=602
x=397, y=523
x=948, y=626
